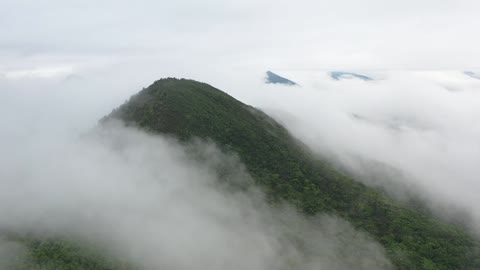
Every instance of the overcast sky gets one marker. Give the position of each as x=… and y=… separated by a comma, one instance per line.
x=59, y=37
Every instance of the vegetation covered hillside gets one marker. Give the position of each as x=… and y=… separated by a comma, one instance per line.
x=187, y=109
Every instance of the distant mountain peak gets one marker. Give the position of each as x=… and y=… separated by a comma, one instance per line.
x=277, y=79
x=472, y=74
x=339, y=75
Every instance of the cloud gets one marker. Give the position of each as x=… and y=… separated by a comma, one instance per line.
x=155, y=203
x=11, y=252
x=409, y=128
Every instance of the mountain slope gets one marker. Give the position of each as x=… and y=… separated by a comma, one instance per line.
x=187, y=109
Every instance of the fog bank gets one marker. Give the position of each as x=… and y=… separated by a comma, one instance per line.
x=417, y=129
x=156, y=203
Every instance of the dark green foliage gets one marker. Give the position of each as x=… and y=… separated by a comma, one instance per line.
x=187, y=109
x=61, y=254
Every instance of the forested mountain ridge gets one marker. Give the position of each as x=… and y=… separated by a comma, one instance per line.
x=187, y=109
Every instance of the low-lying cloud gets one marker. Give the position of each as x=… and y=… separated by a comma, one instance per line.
x=156, y=203
x=416, y=129
x=405, y=132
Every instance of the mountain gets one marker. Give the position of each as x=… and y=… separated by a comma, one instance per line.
x=274, y=78
x=340, y=75
x=472, y=74
x=287, y=171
